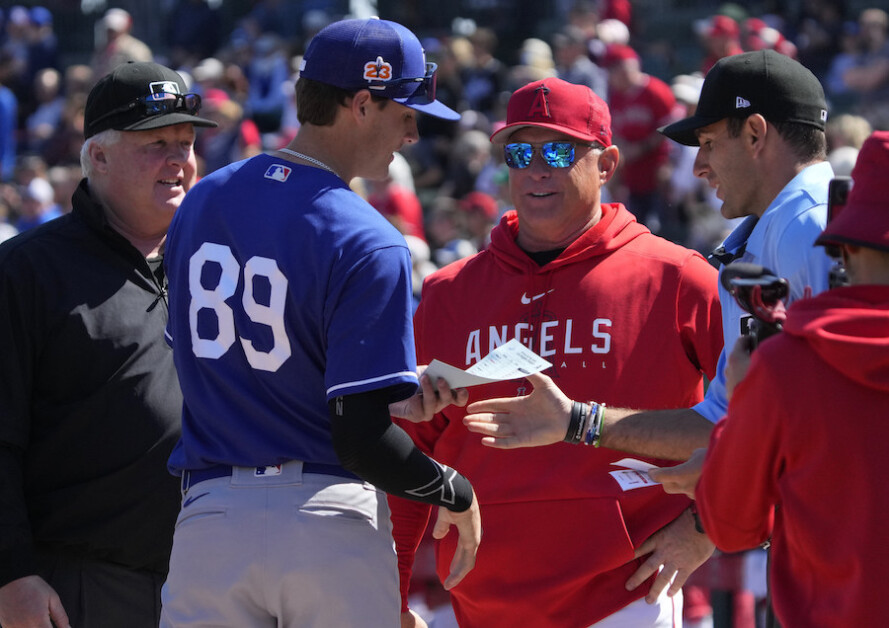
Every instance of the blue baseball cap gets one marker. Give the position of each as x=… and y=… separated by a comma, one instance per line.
x=381, y=56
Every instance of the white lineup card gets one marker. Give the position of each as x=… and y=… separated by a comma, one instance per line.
x=634, y=474
x=512, y=360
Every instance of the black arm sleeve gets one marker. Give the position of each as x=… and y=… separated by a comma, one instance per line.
x=372, y=447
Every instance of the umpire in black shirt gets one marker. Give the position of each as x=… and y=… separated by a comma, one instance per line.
x=89, y=400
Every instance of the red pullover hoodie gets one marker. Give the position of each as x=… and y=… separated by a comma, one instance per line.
x=626, y=318
x=801, y=457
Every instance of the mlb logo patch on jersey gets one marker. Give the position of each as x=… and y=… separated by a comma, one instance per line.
x=278, y=172
x=274, y=469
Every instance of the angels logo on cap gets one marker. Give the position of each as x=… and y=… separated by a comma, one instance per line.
x=539, y=106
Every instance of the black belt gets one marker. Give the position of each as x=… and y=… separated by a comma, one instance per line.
x=190, y=478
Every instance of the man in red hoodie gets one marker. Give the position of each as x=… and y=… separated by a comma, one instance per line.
x=624, y=317
x=800, y=456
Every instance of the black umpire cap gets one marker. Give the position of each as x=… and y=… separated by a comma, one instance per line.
x=764, y=82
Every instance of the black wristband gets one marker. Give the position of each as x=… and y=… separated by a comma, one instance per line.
x=575, y=429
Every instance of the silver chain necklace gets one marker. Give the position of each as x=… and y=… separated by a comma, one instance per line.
x=311, y=160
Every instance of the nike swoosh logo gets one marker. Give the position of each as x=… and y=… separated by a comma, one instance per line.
x=527, y=300
x=188, y=502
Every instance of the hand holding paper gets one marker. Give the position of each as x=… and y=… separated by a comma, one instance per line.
x=512, y=360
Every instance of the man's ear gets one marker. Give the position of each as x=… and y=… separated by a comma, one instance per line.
x=98, y=156
x=756, y=128
x=360, y=102
x=609, y=159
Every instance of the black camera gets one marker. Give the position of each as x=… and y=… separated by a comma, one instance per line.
x=837, y=195
x=761, y=294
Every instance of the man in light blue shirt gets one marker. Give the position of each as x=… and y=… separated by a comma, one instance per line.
x=782, y=241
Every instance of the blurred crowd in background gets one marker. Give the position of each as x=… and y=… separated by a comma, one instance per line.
x=446, y=191
x=646, y=58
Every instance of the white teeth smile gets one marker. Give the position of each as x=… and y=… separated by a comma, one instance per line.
x=170, y=181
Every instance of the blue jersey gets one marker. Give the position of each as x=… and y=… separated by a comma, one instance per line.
x=782, y=240
x=286, y=290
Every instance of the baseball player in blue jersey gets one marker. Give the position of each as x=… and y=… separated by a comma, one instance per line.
x=290, y=322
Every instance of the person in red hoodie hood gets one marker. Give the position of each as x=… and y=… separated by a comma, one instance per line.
x=799, y=458
x=624, y=317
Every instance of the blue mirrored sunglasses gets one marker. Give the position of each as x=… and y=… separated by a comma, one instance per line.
x=424, y=92
x=158, y=104
x=555, y=154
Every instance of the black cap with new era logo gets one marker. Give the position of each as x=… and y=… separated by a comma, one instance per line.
x=764, y=82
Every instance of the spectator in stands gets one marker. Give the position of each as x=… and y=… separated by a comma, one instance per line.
x=266, y=74
x=114, y=43
x=869, y=76
x=720, y=37
x=234, y=139
x=819, y=31
x=38, y=205
x=193, y=32
x=484, y=78
x=640, y=104
x=480, y=215
x=8, y=127
x=573, y=61
x=398, y=203
x=44, y=121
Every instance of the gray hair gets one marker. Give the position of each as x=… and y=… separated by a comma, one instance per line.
x=107, y=137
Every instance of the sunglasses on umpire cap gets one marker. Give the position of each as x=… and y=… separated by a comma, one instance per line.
x=518, y=155
x=158, y=104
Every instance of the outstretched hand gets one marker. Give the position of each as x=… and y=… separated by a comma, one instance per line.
x=428, y=400
x=540, y=418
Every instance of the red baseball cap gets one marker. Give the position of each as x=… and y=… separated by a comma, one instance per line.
x=616, y=53
x=479, y=201
x=555, y=104
x=723, y=26
x=864, y=220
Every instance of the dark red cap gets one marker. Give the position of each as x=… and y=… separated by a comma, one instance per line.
x=479, y=201
x=864, y=220
x=723, y=26
x=615, y=53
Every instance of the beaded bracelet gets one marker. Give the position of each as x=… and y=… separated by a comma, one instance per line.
x=594, y=430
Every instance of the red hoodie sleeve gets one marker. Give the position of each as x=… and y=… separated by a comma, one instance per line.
x=739, y=481
x=409, y=521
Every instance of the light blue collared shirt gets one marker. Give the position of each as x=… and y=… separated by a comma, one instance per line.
x=782, y=240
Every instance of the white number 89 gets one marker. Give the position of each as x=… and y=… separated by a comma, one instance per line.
x=271, y=315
